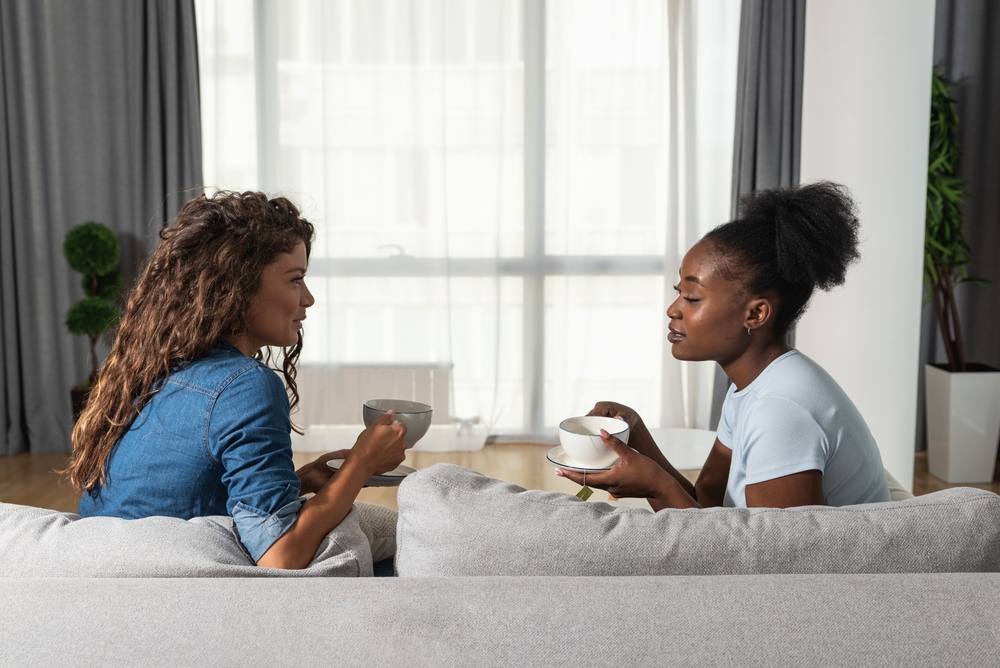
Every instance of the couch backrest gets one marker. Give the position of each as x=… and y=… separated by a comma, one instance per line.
x=45, y=543
x=453, y=521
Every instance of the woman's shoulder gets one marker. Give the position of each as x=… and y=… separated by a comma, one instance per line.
x=794, y=372
x=224, y=368
x=797, y=379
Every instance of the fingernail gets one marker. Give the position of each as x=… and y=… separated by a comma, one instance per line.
x=604, y=433
x=559, y=472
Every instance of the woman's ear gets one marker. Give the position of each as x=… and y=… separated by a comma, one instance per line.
x=760, y=311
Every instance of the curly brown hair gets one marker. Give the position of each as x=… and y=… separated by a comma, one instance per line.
x=196, y=288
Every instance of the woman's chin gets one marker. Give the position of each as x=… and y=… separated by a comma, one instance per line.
x=679, y=351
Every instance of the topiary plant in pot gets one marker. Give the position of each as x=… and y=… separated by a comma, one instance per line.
x=92, y=249
x=962, y=447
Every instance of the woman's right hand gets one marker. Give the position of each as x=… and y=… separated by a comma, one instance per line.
x=380, y=447
x=639, y=438
x=614, y=410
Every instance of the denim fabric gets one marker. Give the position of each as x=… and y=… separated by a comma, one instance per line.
x=385, y=568
x=214, y=440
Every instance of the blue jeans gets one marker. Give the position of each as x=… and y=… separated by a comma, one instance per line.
x=385, y=568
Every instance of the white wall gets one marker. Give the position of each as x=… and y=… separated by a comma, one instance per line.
x=865, y=115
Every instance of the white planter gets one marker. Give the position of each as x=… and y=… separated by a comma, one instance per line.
x=963, y=424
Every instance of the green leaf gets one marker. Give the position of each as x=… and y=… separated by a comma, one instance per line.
x=91, y=316
x=109, y=286
x=92, y=249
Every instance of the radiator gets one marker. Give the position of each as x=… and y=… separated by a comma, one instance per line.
x=332, y=394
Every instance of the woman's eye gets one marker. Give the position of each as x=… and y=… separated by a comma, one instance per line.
x=677, y=289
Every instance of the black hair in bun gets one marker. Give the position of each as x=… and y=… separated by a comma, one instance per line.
x=789, y=241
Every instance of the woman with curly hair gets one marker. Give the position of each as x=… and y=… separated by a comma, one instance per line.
x=788, y=435
x=188, y=419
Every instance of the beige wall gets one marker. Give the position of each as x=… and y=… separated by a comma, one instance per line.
x=865, y=114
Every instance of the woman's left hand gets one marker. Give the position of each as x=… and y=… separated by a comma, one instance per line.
x=316, y=473
x=637, y=476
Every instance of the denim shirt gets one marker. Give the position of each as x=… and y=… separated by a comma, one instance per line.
x=214, y=440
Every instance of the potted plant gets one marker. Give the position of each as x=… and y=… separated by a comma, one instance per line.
x=963, y=399
x=92, y=249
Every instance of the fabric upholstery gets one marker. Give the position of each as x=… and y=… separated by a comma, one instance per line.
x=45, y=543
x=379, y=524
x=455, y=522
x=896, y=491
x=761, y=620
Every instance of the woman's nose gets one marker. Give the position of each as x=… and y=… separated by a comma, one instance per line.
x=673, y=312
x=307, y=297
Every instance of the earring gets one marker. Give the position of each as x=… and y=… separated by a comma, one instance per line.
x=748, y=331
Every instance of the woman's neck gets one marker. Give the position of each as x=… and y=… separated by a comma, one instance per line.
x=242, y=343
x=744, y=369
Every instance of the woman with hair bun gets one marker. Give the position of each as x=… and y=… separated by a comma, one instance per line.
x=188, y=419
x=788, y=435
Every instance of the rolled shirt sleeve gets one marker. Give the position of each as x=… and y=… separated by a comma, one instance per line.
x=259, y=530
x=249, y=433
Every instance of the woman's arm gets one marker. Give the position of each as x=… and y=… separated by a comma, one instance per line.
x=710, y=488
x=797, y=489
x=316, y=473
x=380, y=448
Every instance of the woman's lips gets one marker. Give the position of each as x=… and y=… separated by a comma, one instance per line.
x=674, y=336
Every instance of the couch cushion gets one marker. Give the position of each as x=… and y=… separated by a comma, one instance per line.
x=936, y=619
x=45, y=543
x=453, y=521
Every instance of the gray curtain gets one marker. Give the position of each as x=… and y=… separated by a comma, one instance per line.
x=966, y=49
x=99, y=120
x=768, y=110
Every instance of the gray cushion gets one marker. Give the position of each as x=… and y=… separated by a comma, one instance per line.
x=45, y=543
x=453, y=521
x=739, y=620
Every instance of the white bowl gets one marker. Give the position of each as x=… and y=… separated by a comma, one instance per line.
x=580, y=437
x=415, y=415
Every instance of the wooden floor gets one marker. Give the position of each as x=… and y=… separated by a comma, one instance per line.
x=30, y=480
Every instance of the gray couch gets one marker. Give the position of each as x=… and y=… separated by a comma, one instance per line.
x=491, y=574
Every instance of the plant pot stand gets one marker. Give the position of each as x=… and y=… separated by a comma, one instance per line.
x=963, y=423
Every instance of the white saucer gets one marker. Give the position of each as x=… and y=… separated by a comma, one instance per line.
x=388, y=479
x=559, y=457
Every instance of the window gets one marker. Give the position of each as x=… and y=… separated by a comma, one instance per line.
x=503, y=185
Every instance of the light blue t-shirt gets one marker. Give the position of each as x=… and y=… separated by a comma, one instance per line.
x=794, y=417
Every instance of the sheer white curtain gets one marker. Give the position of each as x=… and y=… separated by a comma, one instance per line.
x=502, y=188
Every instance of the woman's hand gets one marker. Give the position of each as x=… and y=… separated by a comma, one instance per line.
x=639, y=438
x=380, y=447
x=316, y=473
x=636, y=476
x=614, y=410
